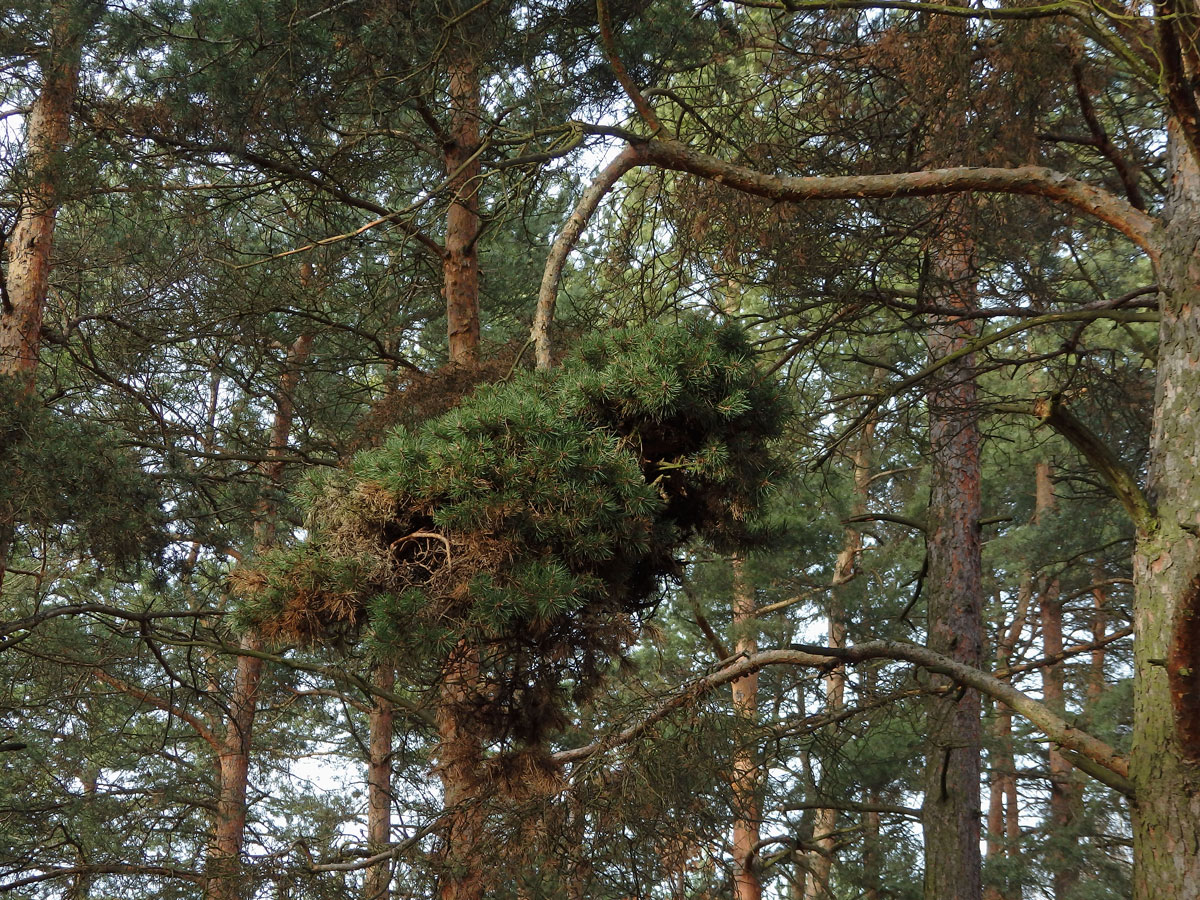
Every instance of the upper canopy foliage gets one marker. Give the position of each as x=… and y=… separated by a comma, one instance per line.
x=535, y=521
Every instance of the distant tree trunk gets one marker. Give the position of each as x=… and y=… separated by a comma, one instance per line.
x=745, y=770
x=1002, y=787
x=461, y=263
x=377, y=882
x=1065, y=795
x=225, y=879
x=816, y=883
x=954, y=586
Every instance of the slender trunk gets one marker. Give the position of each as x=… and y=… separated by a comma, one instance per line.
x=460, y=268
x=1065, y=795
x=224, y=875
x=816, y=883
x=1002, y=833
x=951, y=818
x=745, y=772
x=460, y=756
x=1164, y=762
x=377, y=883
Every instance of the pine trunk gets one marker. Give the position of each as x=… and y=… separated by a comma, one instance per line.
x=27, y=279
x=745, y=774
x=951, y=817
x=460, y=268
x=225, y=879
x=1165, y=758
x=224, y=875
x=377, y=883
x=460, y=757
x=47, y=130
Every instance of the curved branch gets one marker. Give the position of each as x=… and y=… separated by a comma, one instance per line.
x=1141, y=228
x=1109, y=767
x=565, y=243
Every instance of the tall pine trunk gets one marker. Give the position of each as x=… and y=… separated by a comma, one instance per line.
x=954, y=588
x=1165, y=758
x=461, y=263
x=377, y=882
x=1065, y=797
x=745, y=771
x=225, y=879
x=27, y=280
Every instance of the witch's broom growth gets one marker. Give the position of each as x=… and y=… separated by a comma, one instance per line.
x=535, y=522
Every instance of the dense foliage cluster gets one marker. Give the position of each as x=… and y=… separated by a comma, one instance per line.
x=71, y=478
x=536, y=521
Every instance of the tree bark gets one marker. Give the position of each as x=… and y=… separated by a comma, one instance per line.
x=1065, y=795
x=377, y=883
x=27, y=281
x=954, y=584
x=1165, y=756
x=460, y=756
x=1003, y=829
x=745, y=771
x=47, y=131
x=460, y=268
x=224, y=877
x=816, y=882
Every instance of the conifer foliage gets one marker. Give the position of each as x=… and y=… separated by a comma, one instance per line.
x=536, y=521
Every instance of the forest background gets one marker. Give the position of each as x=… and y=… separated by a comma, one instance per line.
x=245, y=240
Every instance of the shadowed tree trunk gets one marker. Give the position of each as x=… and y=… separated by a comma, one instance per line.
x=460, y=756
x=1002, y=788
x=461, y=262
x=954, y=587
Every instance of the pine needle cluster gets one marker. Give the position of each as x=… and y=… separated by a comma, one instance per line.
x=536, y=521
x=70, y=481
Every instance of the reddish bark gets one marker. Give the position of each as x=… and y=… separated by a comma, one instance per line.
x=29, y=246
x=954, y=583
x=377, y=883
x=1064, y=790
x=224, y=871
x=460, y=757
x=460, y=268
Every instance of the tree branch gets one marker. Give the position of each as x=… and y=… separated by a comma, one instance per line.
x=1118, y=479
x=1040, y=181
x=1113, y=768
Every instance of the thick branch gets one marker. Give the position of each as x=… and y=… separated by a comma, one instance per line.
x=1039, y=181
x=1119, y=479
x=1114, y=767
x=565, y=243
